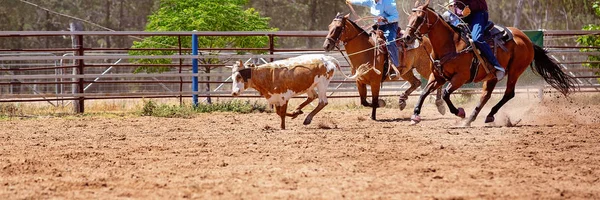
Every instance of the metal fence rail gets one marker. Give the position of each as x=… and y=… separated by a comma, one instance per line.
x=89, y=72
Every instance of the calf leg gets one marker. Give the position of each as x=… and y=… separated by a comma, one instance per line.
x=322, y=87
x=281, y=111
x=311, y=96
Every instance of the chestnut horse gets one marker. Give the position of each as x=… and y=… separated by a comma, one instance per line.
x=455, y=63
x=361, y=47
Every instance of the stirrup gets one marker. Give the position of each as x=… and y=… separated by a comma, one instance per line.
x=500, y=75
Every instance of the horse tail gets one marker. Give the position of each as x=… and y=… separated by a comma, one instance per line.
x=551, y=72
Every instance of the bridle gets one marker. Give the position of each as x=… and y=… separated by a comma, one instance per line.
x=437, y=63
x=424, y=20
x=339, y=31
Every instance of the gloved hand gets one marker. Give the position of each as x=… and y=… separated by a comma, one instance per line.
x=381, y=19
x=466, y=11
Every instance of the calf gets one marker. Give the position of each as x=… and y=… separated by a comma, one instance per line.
x=281, y=80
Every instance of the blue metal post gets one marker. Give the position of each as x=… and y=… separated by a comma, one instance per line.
x=195, y=70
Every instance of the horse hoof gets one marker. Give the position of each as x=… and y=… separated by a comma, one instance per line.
x=489, y=119
x=441, y=109
x=466, y=124
x=402, y=104
x=461, y=113
x=381, y=103
x=415, y=119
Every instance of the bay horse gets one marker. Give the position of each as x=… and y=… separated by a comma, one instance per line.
x=361, y=48
x=454, y=63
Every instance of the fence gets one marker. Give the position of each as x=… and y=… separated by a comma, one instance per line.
x=61, y=75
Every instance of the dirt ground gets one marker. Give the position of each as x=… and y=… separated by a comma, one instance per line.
x=553, y=152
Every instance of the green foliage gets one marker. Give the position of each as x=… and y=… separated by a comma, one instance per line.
x=591, y=40
x=151, y=108
x=10, y=110
x=237, y=106
x=201, y=15
x=148, y=108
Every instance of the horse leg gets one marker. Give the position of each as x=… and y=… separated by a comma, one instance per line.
x=322, y=103
x=311, y=96
x=414, y=84
x=460, y=112
x=431, y=85
x=362, y=91
x=488, y=88
x=281, y=110
x=439, y=102
x=375, y=99
x=508, y=94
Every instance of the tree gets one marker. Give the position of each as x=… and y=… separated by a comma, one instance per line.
x=201, y=15
x=592, y=40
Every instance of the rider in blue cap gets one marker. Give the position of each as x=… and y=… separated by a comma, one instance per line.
x=387, y=21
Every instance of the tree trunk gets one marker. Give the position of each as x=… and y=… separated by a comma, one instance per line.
x=518, y=14
x=107, y=21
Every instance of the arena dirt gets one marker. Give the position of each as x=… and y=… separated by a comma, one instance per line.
x=548, y=150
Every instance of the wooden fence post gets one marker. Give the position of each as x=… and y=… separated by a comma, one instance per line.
x=77, y=44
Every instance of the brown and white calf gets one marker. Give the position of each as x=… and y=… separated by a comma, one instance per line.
x=281, y=80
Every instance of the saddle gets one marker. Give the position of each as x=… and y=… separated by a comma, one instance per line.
x=495, y=35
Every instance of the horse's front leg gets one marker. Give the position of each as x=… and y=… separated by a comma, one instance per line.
x=362, y=91
x=488, y=88
x=375, y=102
x=432, y=84
x=454, y=84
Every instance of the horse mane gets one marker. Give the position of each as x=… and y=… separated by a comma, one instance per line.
x=355, y=24
x=456, y=29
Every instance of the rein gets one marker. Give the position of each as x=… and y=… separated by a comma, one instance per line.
x=375, y=47
x=438, y=63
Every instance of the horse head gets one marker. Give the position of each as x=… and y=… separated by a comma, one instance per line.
x=422, y=15
x=342, y=29
x=336, y=30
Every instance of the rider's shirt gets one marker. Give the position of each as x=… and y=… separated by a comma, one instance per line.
x=383, y=8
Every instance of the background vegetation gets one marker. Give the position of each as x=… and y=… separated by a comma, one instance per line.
x=133, y=15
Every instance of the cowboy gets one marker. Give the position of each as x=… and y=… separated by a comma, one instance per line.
x=475, y=13
x=387, y=21
x=450, y=15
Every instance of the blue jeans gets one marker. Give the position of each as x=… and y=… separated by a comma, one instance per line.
x=477, y=22
x=389, y=31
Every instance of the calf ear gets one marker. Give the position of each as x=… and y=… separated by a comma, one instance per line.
x=251, y=65
x=246, y=74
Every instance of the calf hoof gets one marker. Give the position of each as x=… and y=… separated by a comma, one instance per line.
x=381, y=103
x=296, y=114
x=402, y=104
x=307, y=121
x=489, y=119
x=461, y=113
x=415, y=119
